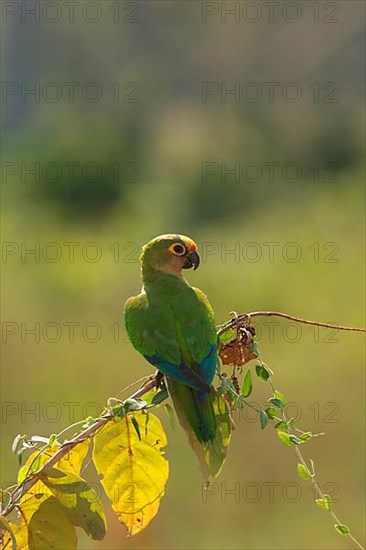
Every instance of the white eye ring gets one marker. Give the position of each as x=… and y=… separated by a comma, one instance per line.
x=178, y=249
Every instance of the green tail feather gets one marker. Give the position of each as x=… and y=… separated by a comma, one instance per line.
x=207, y=424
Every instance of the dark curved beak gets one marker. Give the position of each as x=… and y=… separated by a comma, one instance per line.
x=192, y=260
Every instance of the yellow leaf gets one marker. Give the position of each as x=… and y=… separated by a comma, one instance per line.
x=50, y=529
x=133, y=471
x=80, y=501
x=43, y=525
x=71, y=462
x=32, y=500
x=30, y=503
x=19, y=531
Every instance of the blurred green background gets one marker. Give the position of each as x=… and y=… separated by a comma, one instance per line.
x=160, y=143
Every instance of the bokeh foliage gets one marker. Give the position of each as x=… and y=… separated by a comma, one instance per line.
x=169, y=133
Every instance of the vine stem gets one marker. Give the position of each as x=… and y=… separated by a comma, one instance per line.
x=23, y=487
x=90, y=431
x=246, y=317
x=311, y=473
x=321, y=494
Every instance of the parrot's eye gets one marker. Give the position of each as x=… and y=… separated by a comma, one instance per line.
x=178, y=249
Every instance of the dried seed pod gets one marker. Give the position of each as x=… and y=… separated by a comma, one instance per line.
x=238, y=351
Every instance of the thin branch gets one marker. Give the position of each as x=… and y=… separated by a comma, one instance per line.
x=151, y=382
x=245, y=318
x=90, y=431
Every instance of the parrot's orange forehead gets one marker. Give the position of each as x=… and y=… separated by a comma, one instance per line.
x=191, y=245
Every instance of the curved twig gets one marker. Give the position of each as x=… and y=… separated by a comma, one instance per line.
x=246, y=316
x=90, y=431
x=151, y=382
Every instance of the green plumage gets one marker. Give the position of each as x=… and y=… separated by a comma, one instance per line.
x=171, y=319
x=172, y=325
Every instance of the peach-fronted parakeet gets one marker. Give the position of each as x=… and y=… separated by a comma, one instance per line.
x=172, y=325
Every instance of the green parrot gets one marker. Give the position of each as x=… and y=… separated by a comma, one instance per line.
x=172, y=325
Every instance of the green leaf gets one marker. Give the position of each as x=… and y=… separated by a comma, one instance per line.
x=160, y=396
x=149, y=396
x=263, y=419
x=227, y=336
x=281, y=425
x=276, y=402
x=342, y=529
x=134, y=404
x=247, y=386
x=53, y=440
x=262, y=373
x=79, y=500
x=50, y=529
x=34, y=463
x=325, y=502
x=231, y=392
x=304, y=437
x=302, y=471
x=271, y=413
x=136, y=425
x=285, y=438
x=117, y=409
x=154, y=397
x=280, y=397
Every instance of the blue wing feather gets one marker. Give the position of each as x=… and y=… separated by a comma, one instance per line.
x=208, y=366
x=180, y=373
x=178, y=337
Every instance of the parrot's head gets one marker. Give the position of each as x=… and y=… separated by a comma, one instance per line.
x=170, y=254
